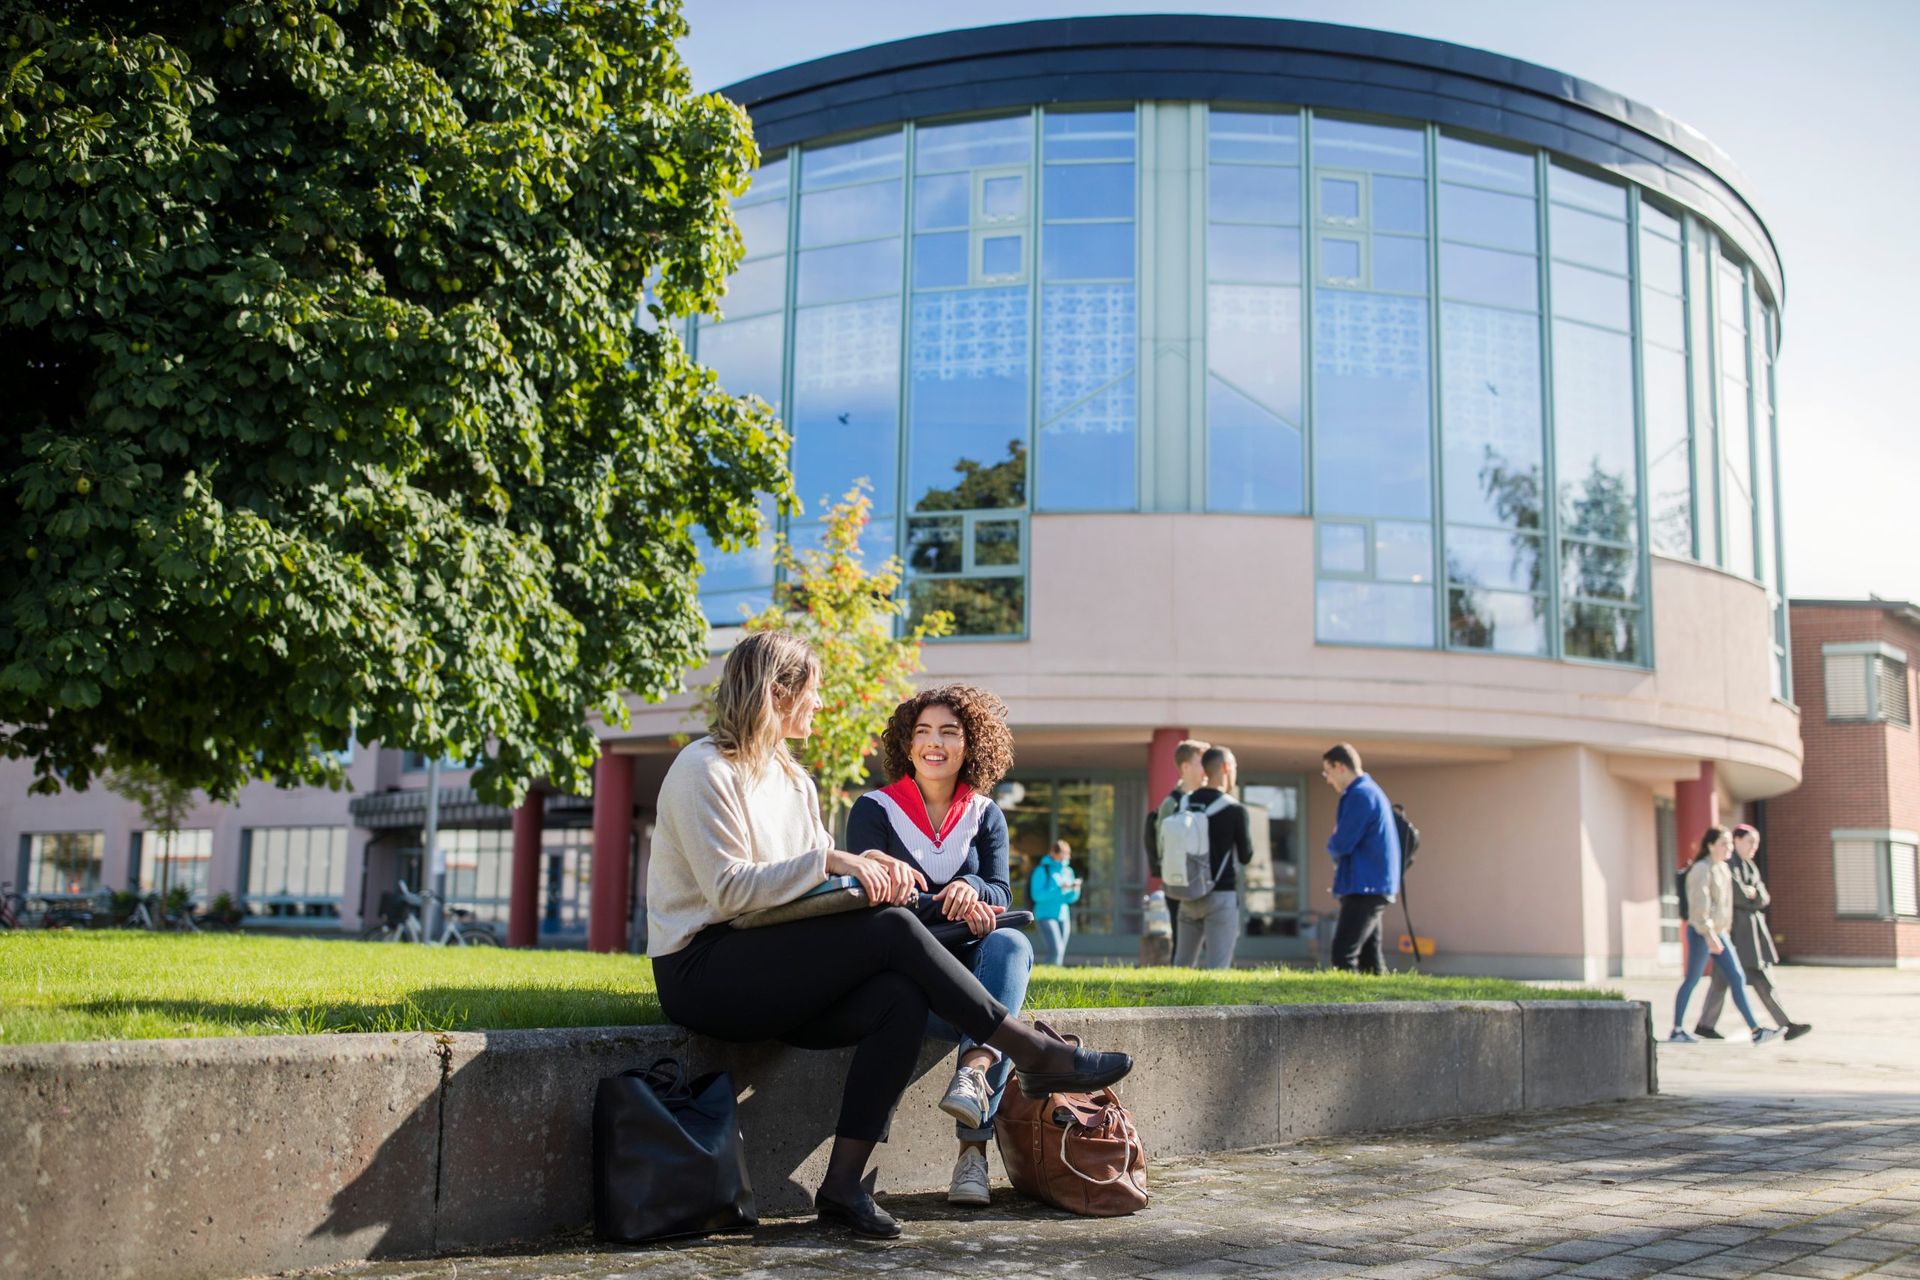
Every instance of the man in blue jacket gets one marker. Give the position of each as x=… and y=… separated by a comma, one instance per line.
x=1365, y=846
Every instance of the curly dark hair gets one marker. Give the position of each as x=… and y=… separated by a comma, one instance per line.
x=982, y=715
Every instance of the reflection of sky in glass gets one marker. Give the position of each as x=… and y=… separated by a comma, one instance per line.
x=1593, y=430
x=1498, y=621
x=850, y=271
x=1490, y=415
x=850, y=213
x=1588, y=239
x=1487, y=217
x=857, y=161
x=1490, y=558
x=1088, y=135
x=1253, y=457
x=1349, y=612
x=973, y=144
x=969, y=384
x=1258, y=255
x=1264, y=136
x=1484, y=166
x=942, y=201
x=846, y=400
x=1087, y=191
x=746, y=356
x=1370, y=405
x=1253, y=193
x=1087, y=251
x=1253, y=342
x=1343, y=547
x=1491, y=276
x=1350, y=144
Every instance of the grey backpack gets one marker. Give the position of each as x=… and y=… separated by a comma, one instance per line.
x=1186, y=850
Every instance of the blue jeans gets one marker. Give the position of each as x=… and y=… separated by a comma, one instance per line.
x=1002, y=962
x=1728, y=962
x=1055, y=934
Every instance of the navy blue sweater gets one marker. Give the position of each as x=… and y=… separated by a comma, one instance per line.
x=972, y=845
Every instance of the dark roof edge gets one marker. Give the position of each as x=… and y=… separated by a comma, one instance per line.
x=820, y=75
x=1883, y=606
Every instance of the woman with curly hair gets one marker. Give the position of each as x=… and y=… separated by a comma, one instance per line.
x=944, y=749
x=738, y=829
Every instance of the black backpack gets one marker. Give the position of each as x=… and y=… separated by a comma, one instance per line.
x=1409, y=838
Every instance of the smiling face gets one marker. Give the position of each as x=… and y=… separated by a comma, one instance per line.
x=1721, y=848
x=939, y=744
x=796, y=710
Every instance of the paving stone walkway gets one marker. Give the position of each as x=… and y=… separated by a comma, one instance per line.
x=1666, y=1186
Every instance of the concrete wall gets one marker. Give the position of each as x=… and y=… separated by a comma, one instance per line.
x=227, y=1157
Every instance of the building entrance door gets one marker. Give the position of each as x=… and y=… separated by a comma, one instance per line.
x=1273, y=885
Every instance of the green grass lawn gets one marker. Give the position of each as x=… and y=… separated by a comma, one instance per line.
x=113, y=985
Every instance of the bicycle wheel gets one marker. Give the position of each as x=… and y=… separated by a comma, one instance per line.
x=376, y=933
x=479, y=938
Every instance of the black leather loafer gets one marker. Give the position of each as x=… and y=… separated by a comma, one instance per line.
x=865, y=1218
x=1091, y=1070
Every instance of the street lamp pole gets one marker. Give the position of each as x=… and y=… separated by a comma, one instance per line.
x=436, y=860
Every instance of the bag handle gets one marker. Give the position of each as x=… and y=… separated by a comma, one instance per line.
x=666, y=1076
x=1126, y=1168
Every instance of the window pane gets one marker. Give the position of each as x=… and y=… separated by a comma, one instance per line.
x=1349, y=144
x=967, y=442
x=1902, y=880
x=1601, y=633
x=1659, y=257
x=940, y=260
x=1856, y=878
x=850, y=213
x=1370, y=404
x=1087, y=398
x=1340, y=200
x=846, y=401
x=768, y=181
x=1487, y=217
x=1492, y=443
x=1253, y=342
x=934, y=546
x=852, y=161
x=1000, y=257
x=745, y=354
x=1593, y=432
x=1597, y=572
x=1253, y=455
x=1498, y=621
x=1588, y=239
x=851, y=271
x=980, y=606
x=1088, y=135
x=942, y=201
x=1004, y=198
x=1349, y=612
x=1402, y=551
x=1847, y=697
x=1399, y=264
x=1343, y=547
x=1593, y=296
x=763, y=227
x=1250, y=193
x=1267, y=137
x=1659, y=222
x=1088, y=191
x=1490, y=558
x=1663, y=319
x=1399, y=204
x=756, y=288
x=1890, y=689
x=1340, y=261
x=996, y=543
x=1490, y=276
x=1257, y=255
x=973, y=144
x=1669, y=467
x=1567, y=187
x=1462, y=161
x=1087, y=251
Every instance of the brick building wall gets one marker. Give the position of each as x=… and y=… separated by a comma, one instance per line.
x=1856, y=776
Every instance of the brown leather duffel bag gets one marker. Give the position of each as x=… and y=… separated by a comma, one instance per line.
x=1075, y=1151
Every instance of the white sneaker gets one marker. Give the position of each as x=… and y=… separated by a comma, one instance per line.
x=1682, y=1036
x=1765, y=1034
x=969, y=1185
x=967, y=1095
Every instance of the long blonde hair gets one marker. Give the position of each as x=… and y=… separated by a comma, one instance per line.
x=745, y=721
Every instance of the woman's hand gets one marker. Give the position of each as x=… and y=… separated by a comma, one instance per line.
x=886, y=880
x=983, y=918
x=1714, y=946
x=958, y=900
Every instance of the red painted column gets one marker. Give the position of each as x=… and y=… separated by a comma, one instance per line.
x=612, y=849
x=1696, y=806
x=523, y=894
x=1162, y=775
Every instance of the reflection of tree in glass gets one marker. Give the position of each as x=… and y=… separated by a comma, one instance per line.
x=980, y=606
x=1603, y=509
x=983, y=485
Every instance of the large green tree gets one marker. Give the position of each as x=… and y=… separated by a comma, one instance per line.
x=330, y=405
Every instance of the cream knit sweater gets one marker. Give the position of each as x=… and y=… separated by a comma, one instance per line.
x=725, y=844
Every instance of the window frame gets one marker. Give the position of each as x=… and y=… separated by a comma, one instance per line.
x=1871, y=654
x=1888, y=843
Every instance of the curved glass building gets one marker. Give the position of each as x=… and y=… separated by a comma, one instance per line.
x=1279, y=383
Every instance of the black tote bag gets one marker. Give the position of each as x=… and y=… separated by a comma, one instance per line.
x=667, y=1156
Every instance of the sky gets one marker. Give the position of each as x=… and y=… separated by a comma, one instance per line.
x=1818, y=104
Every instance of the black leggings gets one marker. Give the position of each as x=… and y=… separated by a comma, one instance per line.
x=866, y=978
x=1356, y=938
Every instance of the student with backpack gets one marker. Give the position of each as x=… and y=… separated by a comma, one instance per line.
x=1365, y=847
x=1200, y=842
x=1186, y=763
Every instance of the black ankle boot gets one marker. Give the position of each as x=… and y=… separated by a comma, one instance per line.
x=864, y=1216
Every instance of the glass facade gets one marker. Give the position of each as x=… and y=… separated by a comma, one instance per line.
x=1496, y=381
x=294, y=872
x=178, y=859
x=61, y=864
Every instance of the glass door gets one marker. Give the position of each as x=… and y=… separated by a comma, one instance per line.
x=1273, y=885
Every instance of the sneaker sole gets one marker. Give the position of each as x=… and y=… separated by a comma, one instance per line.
x=963, y=1113
x=970, y=1199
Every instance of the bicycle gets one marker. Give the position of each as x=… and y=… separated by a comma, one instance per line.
x=400, y=921
x=13, y=908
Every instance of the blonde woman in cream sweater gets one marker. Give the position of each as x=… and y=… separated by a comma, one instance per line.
x=738, y=829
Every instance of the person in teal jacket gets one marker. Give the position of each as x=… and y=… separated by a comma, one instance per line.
x=1053, y=889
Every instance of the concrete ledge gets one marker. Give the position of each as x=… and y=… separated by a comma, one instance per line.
x=224, y=1157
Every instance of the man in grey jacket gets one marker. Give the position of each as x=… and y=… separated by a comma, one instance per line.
x=1752, y=941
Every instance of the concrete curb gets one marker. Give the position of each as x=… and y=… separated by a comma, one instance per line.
x=195, y=1158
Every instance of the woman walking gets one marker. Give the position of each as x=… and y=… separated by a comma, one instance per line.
x=1709, y=917
x=1053, y=888
x=1752, y=942
x=738, y=829
x=944, y=749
